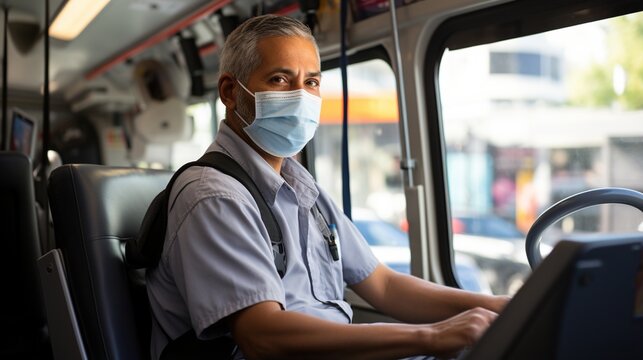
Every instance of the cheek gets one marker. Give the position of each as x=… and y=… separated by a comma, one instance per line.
x=246, y=106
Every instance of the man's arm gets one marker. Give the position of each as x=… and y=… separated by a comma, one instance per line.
x=423, y=301
x=264, y=331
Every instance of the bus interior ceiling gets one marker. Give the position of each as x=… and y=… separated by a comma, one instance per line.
x=135, y=53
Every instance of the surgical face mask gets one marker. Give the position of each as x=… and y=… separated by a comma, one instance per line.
x=285, y=121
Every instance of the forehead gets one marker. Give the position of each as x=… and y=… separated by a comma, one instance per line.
x=288, y=51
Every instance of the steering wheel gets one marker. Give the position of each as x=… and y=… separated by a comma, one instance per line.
x=610, y=195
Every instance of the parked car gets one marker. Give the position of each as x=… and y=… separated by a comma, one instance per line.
x=391, y=246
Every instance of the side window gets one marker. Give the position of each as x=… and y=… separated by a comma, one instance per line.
x=377, y=195
x=532, y=120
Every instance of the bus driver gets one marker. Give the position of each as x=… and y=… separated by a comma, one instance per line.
x=217, y=274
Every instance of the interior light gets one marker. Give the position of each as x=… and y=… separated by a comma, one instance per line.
x=74, y=17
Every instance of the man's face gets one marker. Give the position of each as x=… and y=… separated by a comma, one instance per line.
x=287, y=63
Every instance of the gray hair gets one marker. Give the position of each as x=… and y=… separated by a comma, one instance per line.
x=239, y=55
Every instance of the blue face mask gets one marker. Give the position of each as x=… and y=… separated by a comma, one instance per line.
x=285, y=121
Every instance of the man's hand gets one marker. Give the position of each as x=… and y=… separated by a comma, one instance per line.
x=448, y=337
x=498, y=302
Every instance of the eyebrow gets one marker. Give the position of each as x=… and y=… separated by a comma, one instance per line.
x=292, y=73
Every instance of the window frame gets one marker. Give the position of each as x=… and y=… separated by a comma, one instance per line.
x=374, y=53
x=502, y=22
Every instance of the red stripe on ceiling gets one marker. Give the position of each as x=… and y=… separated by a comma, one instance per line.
x=207, y=49
x=158, y=37
x=287, y=9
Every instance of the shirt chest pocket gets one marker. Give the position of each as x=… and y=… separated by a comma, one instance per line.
x=326, y=272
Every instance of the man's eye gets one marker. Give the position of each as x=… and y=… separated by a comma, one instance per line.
x=313, y=83
x=279, y=80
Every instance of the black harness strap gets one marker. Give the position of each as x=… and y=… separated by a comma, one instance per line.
x=228, y=166
x=147, y=248
x=188, y=346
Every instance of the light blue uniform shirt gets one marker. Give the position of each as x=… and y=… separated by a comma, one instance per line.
x=218, y=259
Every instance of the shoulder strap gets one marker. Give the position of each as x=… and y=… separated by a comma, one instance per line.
x=146, y=250
x=188, y=346
x=228, y=166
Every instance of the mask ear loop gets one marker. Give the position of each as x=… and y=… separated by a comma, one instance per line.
x=241, y=117
x=251, y=94
x=245, y=88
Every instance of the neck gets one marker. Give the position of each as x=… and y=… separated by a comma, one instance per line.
x=275, y=162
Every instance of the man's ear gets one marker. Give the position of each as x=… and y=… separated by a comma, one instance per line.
x=227, y=85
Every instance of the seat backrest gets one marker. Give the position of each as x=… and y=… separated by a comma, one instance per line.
x=23, y=318
x=96, y=210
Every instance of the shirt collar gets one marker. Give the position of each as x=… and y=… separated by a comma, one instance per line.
x=265, y=177
x=301, y=181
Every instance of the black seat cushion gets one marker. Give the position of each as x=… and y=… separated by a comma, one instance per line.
x=96, y=210
x=23, y=316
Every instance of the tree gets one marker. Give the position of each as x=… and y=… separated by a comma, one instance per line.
x=594, y=86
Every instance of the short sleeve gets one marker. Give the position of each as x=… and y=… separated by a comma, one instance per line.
x=358, y=260
x=222, y=262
